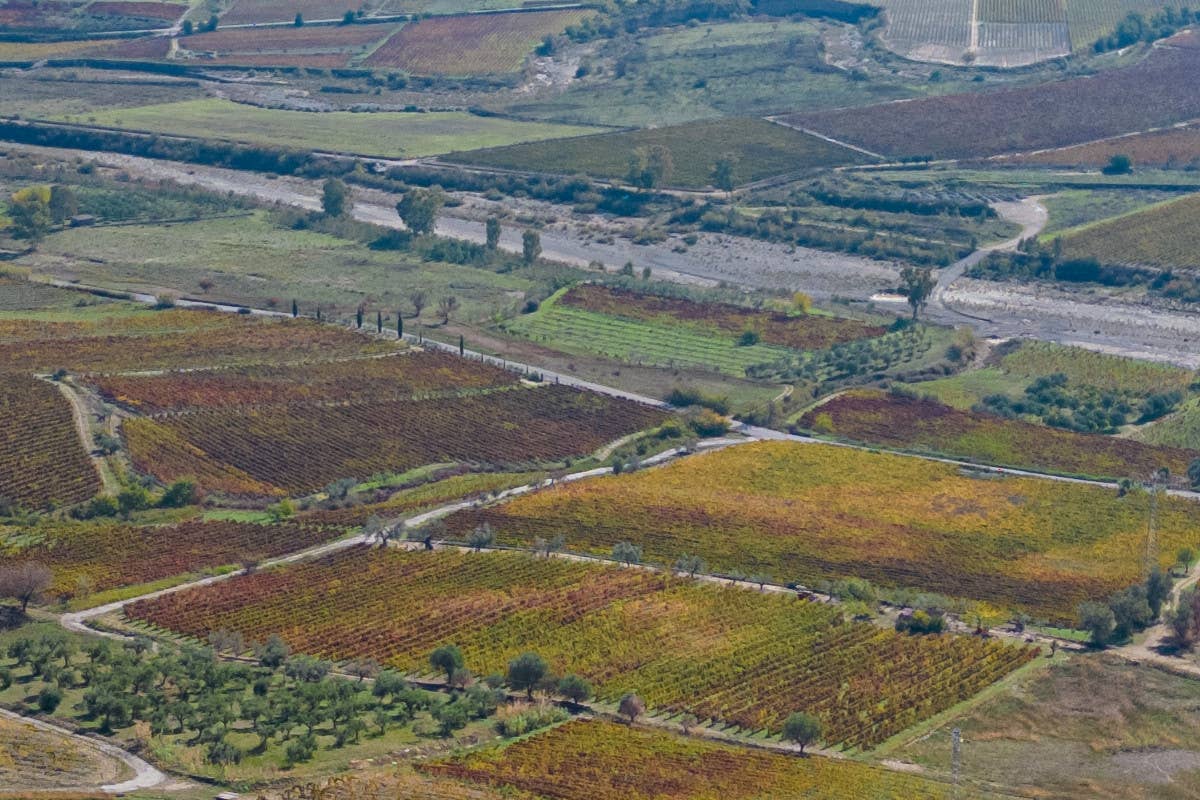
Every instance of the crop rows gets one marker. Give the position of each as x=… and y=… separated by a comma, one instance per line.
x=399, y=376
x=288, y=46
x=1022, y=11
x=300, y=449
x=96, y=557
x=910, y=423
x=1034, y=359
x=42, y=461
x=1175, y=147
x=798, y=332
x=920, y=28
x=144, y=339
x=1163, y=236
x=403, y=784
x=595, y=760
x=35, y=761
x=1155, y=92
x=137, y=10
x=720, y=653
x=464, y=45
x=251, y=11
x=810, y=513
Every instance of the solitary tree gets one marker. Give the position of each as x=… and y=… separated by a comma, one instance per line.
x=575, y=689
x=213, y=22
x=627, y=553
x=631, y=706
x=25, y=582
x=295, y=309
x=419, y=209
x=334, y=197
x=531, y=246
x=419, y=300
x=650, y=166
x=801, y=728
x=447, y=306
x=447, y=658
x=29, y=210
x=272, y=654
x=722, y=173
x=1098, y=620
x=483, y=536
x=690, y=564
x=1183, y=618
x=1119, y=164
x=63, y=203
x=918, y=284
x=493, y=232
x=526, y=671
x=1158, y=589
x=299, y=20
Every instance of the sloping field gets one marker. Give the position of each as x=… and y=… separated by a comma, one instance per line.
x=1022, y=11
x=760, y=149
x=808, y=512
x=467, y=45
x=1174, y=147
x=128, y=338
x=42, y=460
x=1092, y=19
x=1163, y=236
x=720, y=653
x=1158, y=91
x=928, y=30
x=143, y=10
x=87, y=558
x=301, y=449
x=252, y=11
x=385, y=134
x=33, y=761
x=909, y=423
x=410, y=374
x=288, y=46
x=594, y=760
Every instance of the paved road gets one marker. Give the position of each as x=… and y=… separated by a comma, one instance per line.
x=145, y=775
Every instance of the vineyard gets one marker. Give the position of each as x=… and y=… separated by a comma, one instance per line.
x=911, y=423
x=1022, y=11
x=1154, y=92
x=33, y=761
x=1034, y=359
x=254, y=11
x=301, y=449
x=934, y=30
x=19, y=295
x=335, y=46
x=402, y=784
x=807, y=513
x=466, y=45
x=138, y=10
x=799, y=332
x=761, y=148
x=594, y=760
x=1163, y=236
x=128, y=339
x=90, y=558
x=720, y=653
x=42, y=461
x=404, y=375
x=1171, y=148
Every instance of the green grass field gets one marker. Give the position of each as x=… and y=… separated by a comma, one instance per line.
x=1075, y=207
x=393, y=135
x=251, y=260
x=1180, y=429
x=761, y=149
x=1091, y=19
x=574, y=330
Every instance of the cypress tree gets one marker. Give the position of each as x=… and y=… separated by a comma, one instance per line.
x=379, y=322
x=295, y=310
x=399, y=325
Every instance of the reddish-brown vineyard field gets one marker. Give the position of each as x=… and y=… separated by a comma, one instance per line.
x=300, y=449
x=145, y=339
x=42, y=460
x=1174, y=147
x=95, y=557
x=466, y=45
x=911, y=423
x=288, y=46
x=403, y=375
x=252, y=11
x=1158, y=91
x=139, y=10
x=800, y=332
x=795, y=511
x=720, y=653
x=595, y=760
x=144, y=48
x=32, y=13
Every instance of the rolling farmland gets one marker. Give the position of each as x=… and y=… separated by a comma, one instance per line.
x=467, y=45
x=1172, y=148
x=38, y=764
x=1163, y=236
x=909, y=423
x=725, y=654
x=408, y=374
x=597, y=760
x=391, y=134
x=129, y=338
x=1154, y=92
x=807, y=513
x=96, y=557
x=42, y=460
x=761, y=149
x=302, y=448
x=287, y=46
